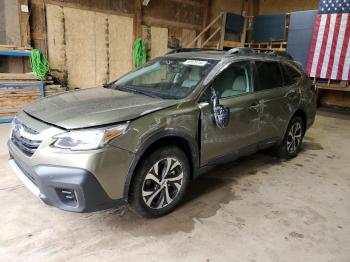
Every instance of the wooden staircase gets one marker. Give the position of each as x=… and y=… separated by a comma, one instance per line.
x=202, y=41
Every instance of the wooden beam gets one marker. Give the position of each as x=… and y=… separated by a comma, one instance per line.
x=137, y=19
x=222, y=34
x=244, y=32
x=151, y=21
x=190, y=2
x=205, y=14
x=24, y=22
x=87, y=8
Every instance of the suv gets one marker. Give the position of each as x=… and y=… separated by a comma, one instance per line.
x=143, y=138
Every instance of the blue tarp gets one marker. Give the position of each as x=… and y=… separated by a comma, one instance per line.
x=300, y=32
x=268, y=28
x=234, y=23
x=234, y=27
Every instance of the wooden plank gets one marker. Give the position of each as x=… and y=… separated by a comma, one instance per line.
x=205, y=19
x=159, y=41
x=232, y=44
x=18, y=82
x=56, y=41
x=38, y=36
x=17, y=76
x=333, y=87
x=137, y=19
x=80, y=47
x=189, y=2
x=187, y=36
x=222, y=34
x=120, y=45
x=102, y=33
x=332, y=98
x=24, y=23
x=152, y=21
x=85, y=7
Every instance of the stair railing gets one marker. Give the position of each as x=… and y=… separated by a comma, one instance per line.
x=221, y=29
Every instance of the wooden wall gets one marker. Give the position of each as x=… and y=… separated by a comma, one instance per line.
x=88, y=48
x=280, y=6
x=165, y=23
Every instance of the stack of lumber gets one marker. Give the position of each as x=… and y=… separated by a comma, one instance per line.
x=13, y=47
x=13, y=97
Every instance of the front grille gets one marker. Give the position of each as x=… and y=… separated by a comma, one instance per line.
x=25, y=138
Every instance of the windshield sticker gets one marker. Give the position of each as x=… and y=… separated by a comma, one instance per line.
x=195, y=62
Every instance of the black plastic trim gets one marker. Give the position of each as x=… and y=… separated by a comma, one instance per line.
x=89, y=193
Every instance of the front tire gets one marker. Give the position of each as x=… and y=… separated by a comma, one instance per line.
x=160, y=182
x=293, y=139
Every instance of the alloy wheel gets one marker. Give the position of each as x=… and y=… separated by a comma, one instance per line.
x=162, y=183
x=294, y=138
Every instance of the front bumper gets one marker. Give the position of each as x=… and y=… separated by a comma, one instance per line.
x=70, y=189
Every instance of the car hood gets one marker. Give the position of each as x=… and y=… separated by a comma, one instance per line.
x=94, y=107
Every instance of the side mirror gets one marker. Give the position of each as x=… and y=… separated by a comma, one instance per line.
x=220, y=112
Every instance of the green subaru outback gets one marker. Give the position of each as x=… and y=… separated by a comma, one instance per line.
x=142, y=138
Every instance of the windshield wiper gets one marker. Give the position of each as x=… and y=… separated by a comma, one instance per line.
x=134, y=90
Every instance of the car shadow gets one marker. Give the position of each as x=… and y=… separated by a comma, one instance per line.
x=203, y=199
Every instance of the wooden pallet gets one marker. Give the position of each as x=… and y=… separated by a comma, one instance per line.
x=278, y=46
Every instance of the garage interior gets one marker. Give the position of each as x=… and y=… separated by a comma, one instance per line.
x=257, y=208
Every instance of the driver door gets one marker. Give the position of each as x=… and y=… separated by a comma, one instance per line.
x=234, y=88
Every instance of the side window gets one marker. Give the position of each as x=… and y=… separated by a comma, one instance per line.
x=269, y=74
x=291, y=75
x=234, y=80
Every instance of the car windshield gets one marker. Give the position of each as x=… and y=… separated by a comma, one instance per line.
x=166, y=78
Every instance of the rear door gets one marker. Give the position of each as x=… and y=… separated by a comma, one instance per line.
x=234, y=87
x=270, y=92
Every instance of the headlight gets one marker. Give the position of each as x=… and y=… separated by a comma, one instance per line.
x=88, y=139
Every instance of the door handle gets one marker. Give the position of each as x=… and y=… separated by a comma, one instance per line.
x=255, y=106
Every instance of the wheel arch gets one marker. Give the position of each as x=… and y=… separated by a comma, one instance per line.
x=165, y=138
x=301, y=113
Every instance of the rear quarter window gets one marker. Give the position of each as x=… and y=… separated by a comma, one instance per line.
x=269, y=75
x=290, y=74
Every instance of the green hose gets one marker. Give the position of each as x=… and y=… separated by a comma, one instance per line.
x=139, y=52
x=40, y=65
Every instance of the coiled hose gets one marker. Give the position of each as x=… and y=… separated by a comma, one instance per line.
x=139, y=52
x=40, y=65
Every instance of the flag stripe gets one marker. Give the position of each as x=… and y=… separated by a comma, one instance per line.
x=329, y=55
x=323, y=46
x=338, y=49
x=344, y=49
x=347, y=62
x=334, y=45
x=328, y=47
x=313, y=44
x=318, y=44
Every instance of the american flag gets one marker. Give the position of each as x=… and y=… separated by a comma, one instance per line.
x=329, y=55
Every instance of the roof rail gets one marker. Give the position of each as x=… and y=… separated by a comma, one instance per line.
x=240, y=51
x=182, y=50
x=254, y=51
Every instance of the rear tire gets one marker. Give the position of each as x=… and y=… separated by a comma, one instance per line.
x=160, y=182
x=291, y=144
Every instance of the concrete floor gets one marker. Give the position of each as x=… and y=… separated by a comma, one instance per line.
x=256, y=209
